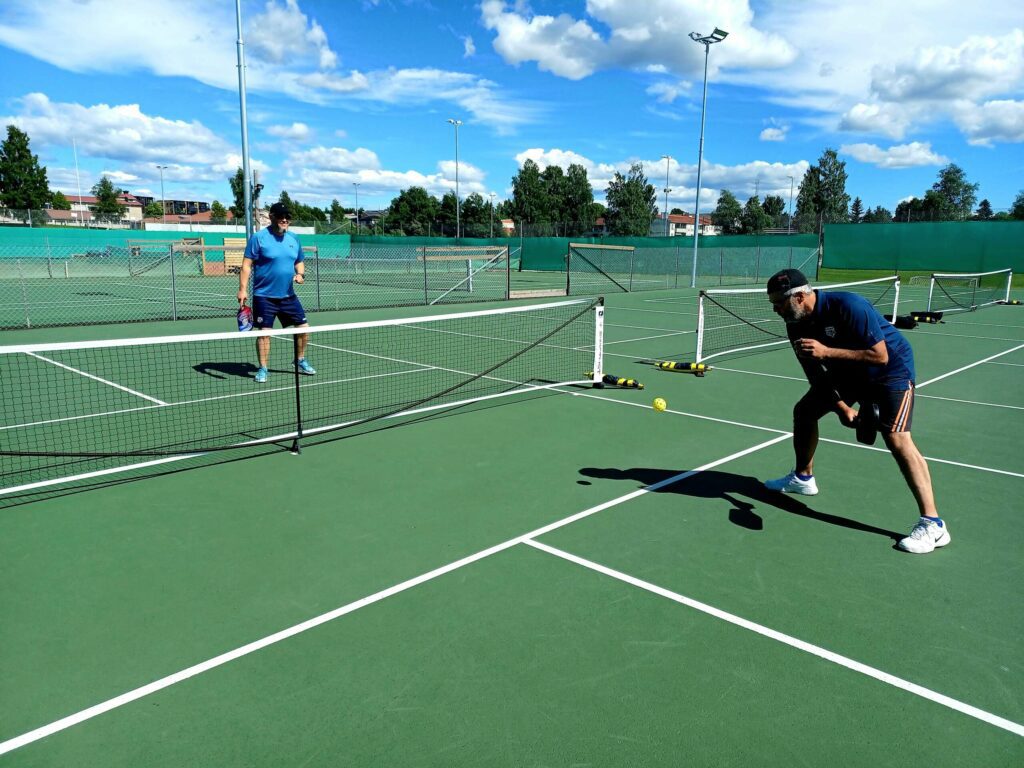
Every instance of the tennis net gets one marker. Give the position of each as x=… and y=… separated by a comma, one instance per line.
x=967, y=291
x=84, y=409
x=742, y=319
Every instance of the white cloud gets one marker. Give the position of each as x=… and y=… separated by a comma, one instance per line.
x=468, y=47
x=642, y=35
x=774, y=134
x=890, y=120
x=293, y=132
x=1001, y=120
x=668, y=92
x=283, y=33
x=899, y=156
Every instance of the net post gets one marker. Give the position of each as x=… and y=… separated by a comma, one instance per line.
x=469, y=275
x=24, y=295
x=931, y=290
x=632, y=263
x=296, y=448
x=1009, y=282
x=896, y=299
x=508, y=272
x=174, y=290
x=568, y=271
x=426, y=289
x=598, y=341
x=698, y=355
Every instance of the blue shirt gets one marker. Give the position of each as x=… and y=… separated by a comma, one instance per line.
x=848, y=321
x=273, y=263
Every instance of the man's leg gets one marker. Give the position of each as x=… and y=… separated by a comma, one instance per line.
x=914, y=469
x=811, y=407
x=263, y=350
x=302, y=340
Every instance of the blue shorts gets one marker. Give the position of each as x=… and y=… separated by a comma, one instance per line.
x=265, y=309
x=895, y=405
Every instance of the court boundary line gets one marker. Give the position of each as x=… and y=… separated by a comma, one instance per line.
x=785, y=639
x=96, y=378
x=167, y=681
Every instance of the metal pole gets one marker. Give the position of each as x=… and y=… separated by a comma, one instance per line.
x=163, y=200
x=700, y=158
x=492, y=215
x=174, y=290
x=246, y=176
x=789, y=222
x=78, y=179
x=668, y=161
x=356, y=185
x=706, y=40
x=458, y=227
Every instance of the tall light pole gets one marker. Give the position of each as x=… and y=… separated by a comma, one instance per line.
x=492, y=196
x=707, y=41
x=456, y=123
x=356, y=185
x=789, y=221
x=163, y=200
x=668, y=160
x=246, y=175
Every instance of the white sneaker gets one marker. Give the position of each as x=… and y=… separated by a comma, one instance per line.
x=793, y=484
x=925, y=536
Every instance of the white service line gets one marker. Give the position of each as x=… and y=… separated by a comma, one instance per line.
x=801, y=645
x=927, y=458
x=217, y=661
x=971, y=402
x=966, y=367
x=96, y=378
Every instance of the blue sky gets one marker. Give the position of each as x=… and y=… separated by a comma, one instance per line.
x=360, y=91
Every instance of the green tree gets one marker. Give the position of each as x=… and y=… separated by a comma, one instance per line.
x=60, y=202
x=833, y=202
x=728, y=215
x=806, y=215
x=754, y=218
x=414, y=210
x=529, y=203
x=857, y=211
x=552, y=179
x=446, y=215
x=881, y=215
x=1017, y=209
x=336, y=213
x=631, y=203
x=956, y=195
x=108, y=200
x=237, y=183
x=23, y=183
x=475, y=216
x=984, y=212
x=578, y=201
x=218, y=213
x=153, y=211
x=775, y=207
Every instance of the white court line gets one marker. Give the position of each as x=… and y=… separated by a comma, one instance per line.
x=1015, y=365
x=648, y=338
x=96, y=378
x=217, y=661
x=966, y=367
x=972, y=402
x=927, y=458
x=800, y=645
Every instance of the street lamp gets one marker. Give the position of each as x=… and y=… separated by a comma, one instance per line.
x=707, y=41
x=456, y=123
x=789, y=222
x=356, y=185
x=668, y=160
x=163, y=200
x=492, y=196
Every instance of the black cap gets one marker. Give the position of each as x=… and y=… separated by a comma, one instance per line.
x=280, y=211
x=785, y=280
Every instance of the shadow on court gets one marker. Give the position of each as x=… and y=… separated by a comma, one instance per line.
x=223, y=370
x=745, y=493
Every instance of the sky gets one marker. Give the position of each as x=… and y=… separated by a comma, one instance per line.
x=360, y=92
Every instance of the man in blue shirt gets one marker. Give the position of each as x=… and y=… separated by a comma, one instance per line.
x=273, y=257
x=851, y=354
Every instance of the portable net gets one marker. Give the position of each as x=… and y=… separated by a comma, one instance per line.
x=742, y=320
x=966, y=292
x=81, y=409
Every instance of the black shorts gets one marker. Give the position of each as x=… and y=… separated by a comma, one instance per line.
x=265, y=309
x=895, y=406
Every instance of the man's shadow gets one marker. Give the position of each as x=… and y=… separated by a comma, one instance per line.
x=712, y=484
x=223, y=370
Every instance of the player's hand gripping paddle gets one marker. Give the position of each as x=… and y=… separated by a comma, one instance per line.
x=244, y=318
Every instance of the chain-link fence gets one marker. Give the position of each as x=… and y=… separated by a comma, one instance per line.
x=171, y=280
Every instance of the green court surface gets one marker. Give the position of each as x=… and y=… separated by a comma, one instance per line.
x=564, y=578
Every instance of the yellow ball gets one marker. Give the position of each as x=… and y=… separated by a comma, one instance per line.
x=660, y=404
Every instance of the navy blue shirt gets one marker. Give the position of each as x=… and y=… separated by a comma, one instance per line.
x=273, y=263
x=848, y=321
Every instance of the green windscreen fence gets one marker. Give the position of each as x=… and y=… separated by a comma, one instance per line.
x=950, y=246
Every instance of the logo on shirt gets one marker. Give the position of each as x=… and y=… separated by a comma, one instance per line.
x=830, y=331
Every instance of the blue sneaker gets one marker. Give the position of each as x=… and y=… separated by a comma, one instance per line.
x=261, y=375
x=305, y=367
